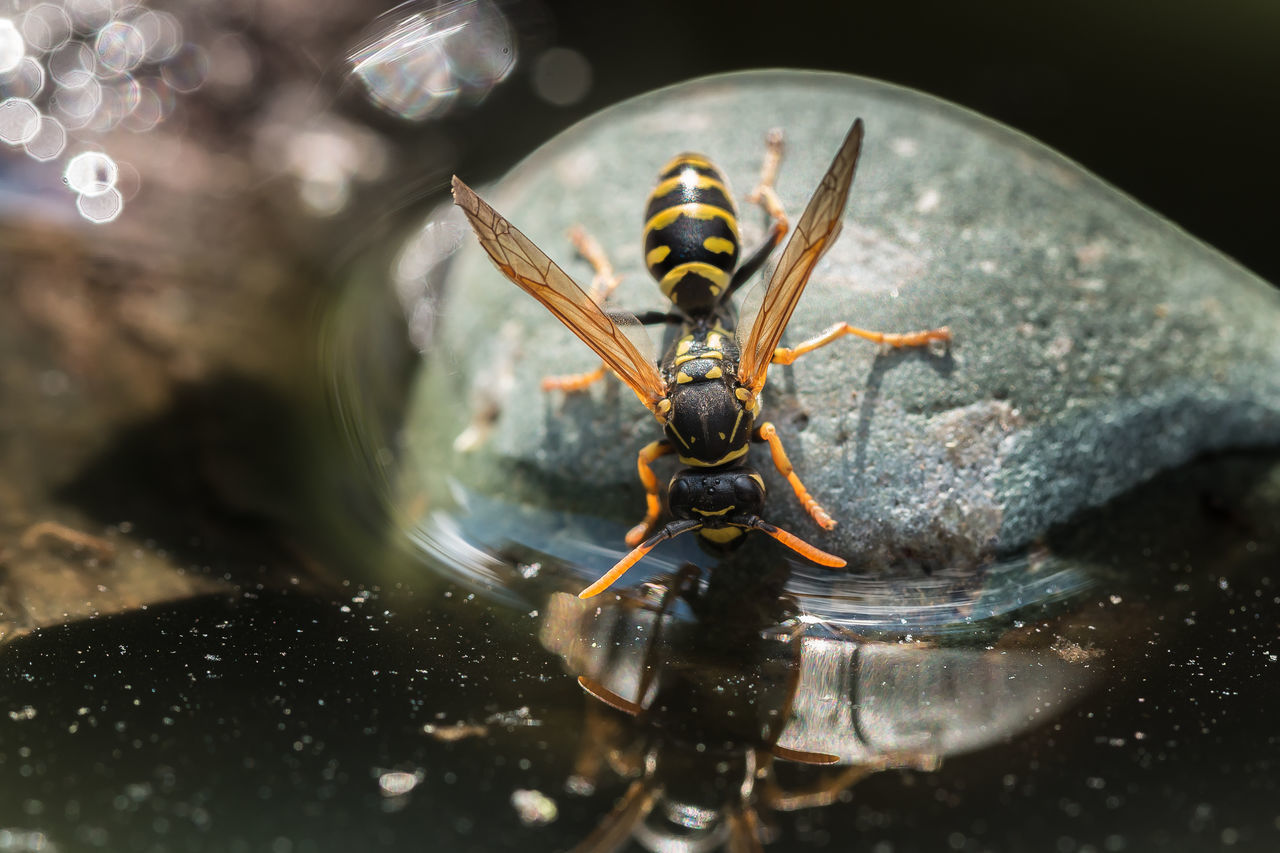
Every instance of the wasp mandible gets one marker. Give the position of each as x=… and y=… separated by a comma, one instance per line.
x=706, y=390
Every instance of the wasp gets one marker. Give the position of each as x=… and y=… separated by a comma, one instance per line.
x=706, y=391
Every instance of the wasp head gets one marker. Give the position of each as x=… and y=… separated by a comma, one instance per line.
x=716, y=498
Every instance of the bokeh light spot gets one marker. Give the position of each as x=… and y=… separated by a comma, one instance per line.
x=101, y=208
x=49, y=140
x=129, y=182
x=46, y=27
x=187, y=70
x=154, y=101
x=12, y=47
x=25, y=81
x=19, y=120
x=162, y=33
x=231, y=63
x=71, y=70
x=120, y=47
x=72, y=64
x=78, y=106
x=91, y=173
x=119, y=97
x=561, y=76
x=89, y=15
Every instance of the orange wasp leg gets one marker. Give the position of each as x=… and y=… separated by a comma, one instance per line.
x=765, y=196
x=574, y=381
x=603, y=284
x=653, y=505
x=786, y=355
x=605, y=280
x=766, y=432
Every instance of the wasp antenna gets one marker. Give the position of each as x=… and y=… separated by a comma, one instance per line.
x=672, y=530
x=795, y=543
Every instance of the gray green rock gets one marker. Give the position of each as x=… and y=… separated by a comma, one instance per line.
x=1095, y=344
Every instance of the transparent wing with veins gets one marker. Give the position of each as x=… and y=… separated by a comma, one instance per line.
x=536, y=274
x=814, y=233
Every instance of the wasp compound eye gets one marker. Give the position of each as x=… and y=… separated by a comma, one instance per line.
x=679, y=494
x=748, y=490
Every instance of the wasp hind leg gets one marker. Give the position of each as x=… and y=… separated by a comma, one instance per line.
x=603, y=283
x=588, y=247
x=786, y=355
x=767, y=433
x=574, y=381
x=767, y=197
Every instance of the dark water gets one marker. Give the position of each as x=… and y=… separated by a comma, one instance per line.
x=264, y=721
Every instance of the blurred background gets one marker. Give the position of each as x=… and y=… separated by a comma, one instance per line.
x=364, y=108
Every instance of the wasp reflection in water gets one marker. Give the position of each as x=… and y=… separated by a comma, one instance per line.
x=696, y=702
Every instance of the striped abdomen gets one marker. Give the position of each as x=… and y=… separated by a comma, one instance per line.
x=691, y=233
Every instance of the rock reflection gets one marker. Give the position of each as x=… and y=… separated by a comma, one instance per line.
x=699, y=694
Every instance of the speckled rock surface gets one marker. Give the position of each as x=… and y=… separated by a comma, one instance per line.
x=1095, y=343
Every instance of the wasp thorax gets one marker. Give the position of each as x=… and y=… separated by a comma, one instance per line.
x=708, y=423
x=715, y=497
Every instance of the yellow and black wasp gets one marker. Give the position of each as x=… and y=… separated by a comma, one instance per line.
x=706, y=390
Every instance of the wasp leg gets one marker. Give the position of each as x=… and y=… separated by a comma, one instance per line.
x=765, y=196
x=653, y=506
x=615, y=830
x=766, y=432
x=605, y=280
x=603, y=284
x=824, y=793
x=574, y=381
x=786, y=355
x=744, y=831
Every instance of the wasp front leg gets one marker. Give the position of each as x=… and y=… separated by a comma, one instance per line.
x=786, y=355
x=767, y=197
x=653, y=504
x=767, y=433
x=603, y=283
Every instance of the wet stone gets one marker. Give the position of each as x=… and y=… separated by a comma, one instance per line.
x=1095, y=344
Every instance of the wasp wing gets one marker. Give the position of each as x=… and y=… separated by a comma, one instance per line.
x=530, y=268
x=813, y=235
